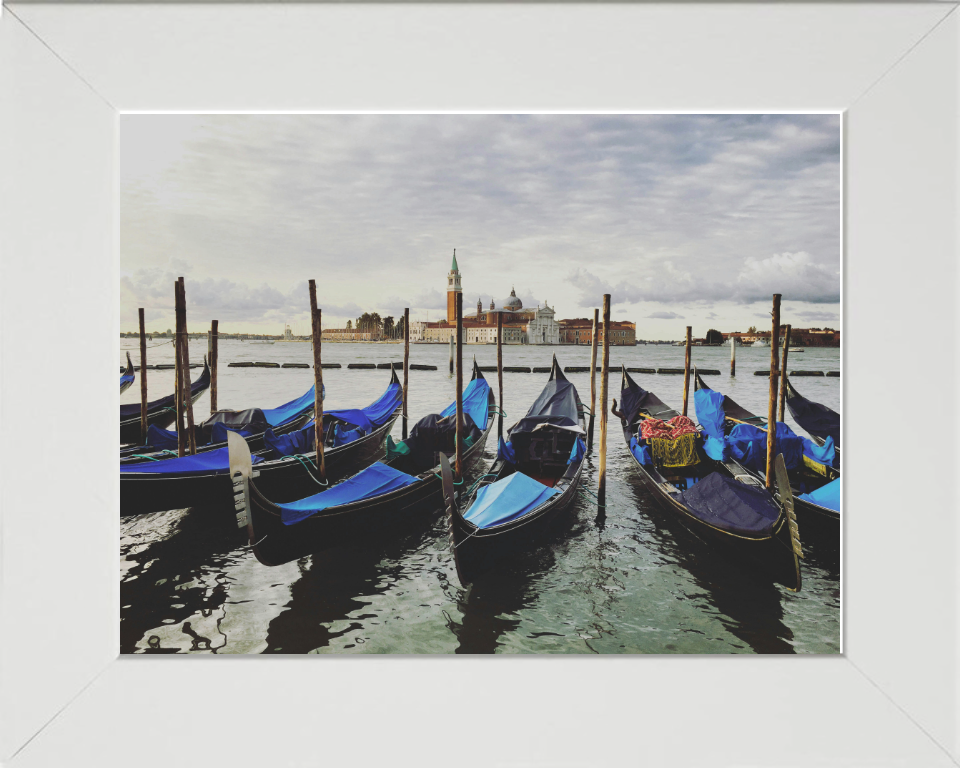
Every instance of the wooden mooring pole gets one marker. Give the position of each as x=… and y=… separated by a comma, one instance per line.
x=686, y=370
x=406, y=366
x=604, y=370
x=212, y=361
x=593, y=376
x=783, y=372
x=733, y=355
x=185, y=368
x=178, y=374
x=772, y=400
x=460, y=424
x=143, y=381
x=315, y=323
x=500, y=372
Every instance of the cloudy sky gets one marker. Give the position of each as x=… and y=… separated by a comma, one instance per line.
x=685, y=219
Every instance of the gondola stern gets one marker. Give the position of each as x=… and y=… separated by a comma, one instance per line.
x=241, y=474
x=453, y=513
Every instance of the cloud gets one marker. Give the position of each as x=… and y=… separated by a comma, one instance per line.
x=665, y=316
x=712, y=316
x=828, y=316
x=649, y=208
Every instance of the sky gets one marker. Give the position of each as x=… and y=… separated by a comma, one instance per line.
x=684, y=219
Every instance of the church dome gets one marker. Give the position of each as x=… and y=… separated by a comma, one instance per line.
x=512, y=303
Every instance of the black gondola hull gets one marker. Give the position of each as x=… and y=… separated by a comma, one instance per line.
x=289, y=479
x=366, y=522
x=161, y=415
x=771, y=555
x=477, y=552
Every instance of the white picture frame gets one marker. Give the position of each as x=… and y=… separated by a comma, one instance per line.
x=67, y=71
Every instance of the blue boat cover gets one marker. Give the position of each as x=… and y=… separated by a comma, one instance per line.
x=825, y=496
x=127, y=378
x=710, y=413
x=505, y=452
x=280, y=415
x=730, y=505
x=376, y=480
x=201, y=463
x=299, y=441
x=748, y=445
x=344, y=436
x=160, y=438
x=815, y=418
x=218, y=432
x=578, y=451
x=641, y=452
x=507, y=499
x=476, y=403
x=376, y=414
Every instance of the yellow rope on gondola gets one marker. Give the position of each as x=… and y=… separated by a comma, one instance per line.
x=681, y=452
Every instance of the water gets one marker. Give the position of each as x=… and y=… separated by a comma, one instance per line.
x=637, y=583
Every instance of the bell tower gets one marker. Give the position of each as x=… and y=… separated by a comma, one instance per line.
x=453, y=288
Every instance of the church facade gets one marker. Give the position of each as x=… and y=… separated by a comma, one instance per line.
x=520, y=325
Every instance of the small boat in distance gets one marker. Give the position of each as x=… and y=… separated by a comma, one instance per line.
x=795, y=349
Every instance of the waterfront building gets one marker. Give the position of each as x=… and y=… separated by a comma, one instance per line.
x=579, y=330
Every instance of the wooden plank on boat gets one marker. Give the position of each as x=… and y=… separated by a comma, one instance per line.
x=296, y=365
x=363, y=366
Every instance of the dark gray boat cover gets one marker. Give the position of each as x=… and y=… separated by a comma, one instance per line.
x=730, y=505
x=634, y=398
x=556, y=405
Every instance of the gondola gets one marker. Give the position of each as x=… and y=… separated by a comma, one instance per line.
x=818, y=420
x=376, y=503
x=160, y=412
x=533, y=479
x=814, y=482
x=718, y=501
x=127, y=377
x=287, y=462
x=253, y=424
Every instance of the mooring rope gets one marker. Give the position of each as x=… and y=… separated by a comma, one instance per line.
x=306, y=464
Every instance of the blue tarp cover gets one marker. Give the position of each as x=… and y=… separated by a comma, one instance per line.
x=376, y=480
x=161, y=438
x=218, y=432
x=825, y=496
x=642, y=452
x=731, y=505
x=304, y=439
x=125, y=377
x=218, y=461
x=748, y=445
x=475, y=402
x=505, y=452
x=283, y=413
x=823, y=454
x=299, y=441
x=578, y=451
x=709, y=407
x=375, y=414
x=507, y=500
x=344, y=436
